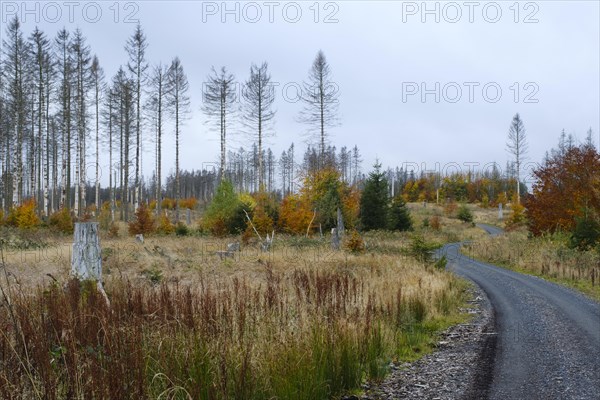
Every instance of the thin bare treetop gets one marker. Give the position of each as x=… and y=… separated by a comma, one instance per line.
x=321, y=101
x=177, y=88
x=136, y=49
x=517, y=146
x=517, y=143
x=219, y=99
x=137, y=65
x=259, y=95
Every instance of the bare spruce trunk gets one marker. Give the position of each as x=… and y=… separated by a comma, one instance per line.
x=159, y=146
x=223, y=139
x=97, y=154
x=177, y=162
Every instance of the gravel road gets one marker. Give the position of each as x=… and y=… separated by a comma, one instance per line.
x=548, y=337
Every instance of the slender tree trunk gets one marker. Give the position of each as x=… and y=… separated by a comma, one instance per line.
x=97, y=149
x=177, y=161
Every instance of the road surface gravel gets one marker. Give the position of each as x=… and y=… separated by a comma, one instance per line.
x=548, y=336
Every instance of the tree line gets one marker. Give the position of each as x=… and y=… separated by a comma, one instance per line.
x=59, y=112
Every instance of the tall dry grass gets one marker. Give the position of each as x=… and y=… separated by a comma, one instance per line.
x=276, y=327
x=546, y=256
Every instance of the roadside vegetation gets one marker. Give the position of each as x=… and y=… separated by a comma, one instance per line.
x=555, y=234
x=299, y=322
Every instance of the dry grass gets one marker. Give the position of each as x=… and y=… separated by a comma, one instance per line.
x=300, y=322
x=451, y=228
x=548, y=257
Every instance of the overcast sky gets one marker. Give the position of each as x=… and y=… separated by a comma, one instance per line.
x=415, y=86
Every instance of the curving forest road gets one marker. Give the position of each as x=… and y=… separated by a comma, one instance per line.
x=546, y=343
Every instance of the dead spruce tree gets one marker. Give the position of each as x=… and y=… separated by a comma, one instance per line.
x=517, y=147
x=156, y=105
x=259, y=95
x=98, y=86
x=13, y=66
x=320, y=96
x=179, y=104
x=219, y=103
x=83, y=83
x=137, y=66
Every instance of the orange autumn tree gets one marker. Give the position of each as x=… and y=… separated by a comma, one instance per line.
x=324, y=191
x=265, y=213
x=565, y=186
x=295, y=214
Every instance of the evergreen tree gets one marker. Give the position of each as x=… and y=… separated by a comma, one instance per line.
x=586, y=234
x=399, y=216
x=374, y=202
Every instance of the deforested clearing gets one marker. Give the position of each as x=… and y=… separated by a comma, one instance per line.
x=299, y=322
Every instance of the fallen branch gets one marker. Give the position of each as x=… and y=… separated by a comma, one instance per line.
x=251, y=224
x=311, y=221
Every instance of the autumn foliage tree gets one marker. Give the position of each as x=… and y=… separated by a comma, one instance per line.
x=143, y=222
x=325, y=191
x=566, y=187
x=24, y=216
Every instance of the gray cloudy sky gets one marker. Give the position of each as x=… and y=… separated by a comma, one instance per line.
x=420, y=84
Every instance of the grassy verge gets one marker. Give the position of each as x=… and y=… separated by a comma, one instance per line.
x=547, y=257
x=302, y=322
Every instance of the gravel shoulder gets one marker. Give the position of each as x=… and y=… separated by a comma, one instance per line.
x=453, y=370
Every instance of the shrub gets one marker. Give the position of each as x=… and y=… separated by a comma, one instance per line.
x=435, y=223
x=226, y=214
x=143, y=223
x=425, y=222
x=517, y=215
x=167, y=204
x=182, y=229
x=441, y=263
x=62, y=221
x=113, y=230
x=422, y=250
x=450, y=208
x=464, y=214
x=165, y=226
x=399, y=216
x=24, y=216
x=262, y=222
x=586, y=234
x=105, y=217
x=295, y=215
x=485, y=201
x=355, y=242
x=190, y=203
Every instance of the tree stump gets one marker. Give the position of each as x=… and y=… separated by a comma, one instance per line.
x=188, y=218
x=335, y=239
x=86, y=259
x=340, y=224
x=500, y=211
